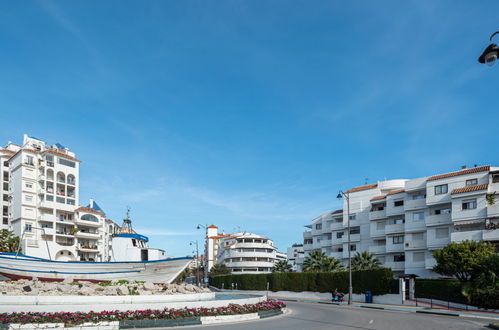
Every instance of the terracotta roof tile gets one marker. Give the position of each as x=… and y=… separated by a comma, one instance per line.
x=361, y=188
x=469, y=189
x=7, y=150
x=337, y=211
x=377, y=198
x=462, y=172
x=88, y=210
x=212, y=226
x=394, y=192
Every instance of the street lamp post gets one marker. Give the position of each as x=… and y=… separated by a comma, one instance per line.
x=491, y=53
x=205, y=261
x=197, y=259
x=346, y=195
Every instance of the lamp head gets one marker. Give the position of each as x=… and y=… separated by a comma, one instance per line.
x=198, y=227
x=340, y=196
x=489, y=55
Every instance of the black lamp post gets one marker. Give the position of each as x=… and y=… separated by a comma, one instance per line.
x=205, y=259
x=197, y=260
x=490, y=54
x=346, y=195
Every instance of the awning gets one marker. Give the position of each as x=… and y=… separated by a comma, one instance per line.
x=469, y=222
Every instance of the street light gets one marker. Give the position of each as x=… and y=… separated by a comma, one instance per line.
x=197, y=258
x=346, y=195
x=205, y=261
x=491, y=53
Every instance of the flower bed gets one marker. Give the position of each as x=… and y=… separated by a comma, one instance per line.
x=148, y=314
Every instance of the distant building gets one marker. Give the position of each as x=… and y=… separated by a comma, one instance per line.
x=295, y=255
x=241, y=252
x=403, y=221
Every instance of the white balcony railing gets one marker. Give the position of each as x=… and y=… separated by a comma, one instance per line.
x=472, y=235
x=375, y=215
x=413, y=204
x=377, y=248
x=394, y=228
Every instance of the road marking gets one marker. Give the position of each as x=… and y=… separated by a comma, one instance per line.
x=371, y=322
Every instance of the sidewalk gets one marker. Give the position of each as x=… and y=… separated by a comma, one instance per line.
x=405, y=308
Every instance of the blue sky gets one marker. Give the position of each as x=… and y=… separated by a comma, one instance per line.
x=249, y=115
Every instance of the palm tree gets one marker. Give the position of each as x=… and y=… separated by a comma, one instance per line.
x=365, y=261
x=282, y=266
x=313, y=261
x=330, y=264
x=9, y=242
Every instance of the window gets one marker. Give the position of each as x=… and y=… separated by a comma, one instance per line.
x=5, y=221
x=471, y=182
x=66, y=162
x=469, y=204
x=354, y=231
x=419, y=196
x=90, y=217
x=352, y=217
x=441, y=189
x=398, y=239
x=495, y=178
x=398, y=203
x=399, y=258
x=353, y=247
x=28, y=198
x=60, y=200
x=418, y=216
x=398, y=221
x=50, y=198
x=417, y=236
x=6, y=164
x=28, y=185
x=443, y=211
x=418, y=256
x=442, y=232
x=28, y=228
x=307, y=241
x=318, y=226
x=380, y=225
x=339, y=234
x=29, y=160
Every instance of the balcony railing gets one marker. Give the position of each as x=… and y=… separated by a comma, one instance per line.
x=375, y=215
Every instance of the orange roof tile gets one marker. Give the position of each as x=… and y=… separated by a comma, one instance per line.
x=469, y=189
x=338, y=211
x=366, y=187
x=394, y=192
x=7, y=150
x=88, y=210
x=377, y=198
x=462, y=172
x=212, y=226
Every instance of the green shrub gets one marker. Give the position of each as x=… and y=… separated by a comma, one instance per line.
x=441, y=289
x=379, y=281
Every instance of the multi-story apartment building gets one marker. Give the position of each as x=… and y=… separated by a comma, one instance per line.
x=241, y=252
x=5, y=154
x=247, y=253
x=403, y=221
x=295, y=255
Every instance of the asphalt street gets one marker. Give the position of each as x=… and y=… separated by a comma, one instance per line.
x=322, y=316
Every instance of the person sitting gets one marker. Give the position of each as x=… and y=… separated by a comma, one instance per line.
x=337, y=296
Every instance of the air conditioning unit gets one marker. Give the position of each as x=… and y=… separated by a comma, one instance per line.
x=406, y=244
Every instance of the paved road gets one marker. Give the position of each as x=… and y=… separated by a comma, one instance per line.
x=313, y=316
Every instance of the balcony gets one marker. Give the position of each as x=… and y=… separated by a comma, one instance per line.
x=491, y=235
x=414, y=204
x=325, y=242
x=86, y=234
x=91, y=223
x=336, y=254
x=308, y=247
x=307, y=234
x=353, y=238
x=88, y=248
x=394, y=228
x=438, y=219
x=394, y=247
x=430, y=262
x=375, y=232
x=62, y=243
x=376, y=215
x=377, y=249
x=493, y=210
x=437, y=243
x=415, y=245
x=412, y=225
x=336, y=225
x=472, y=235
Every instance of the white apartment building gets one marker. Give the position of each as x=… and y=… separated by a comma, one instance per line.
x=403, y=221
x=241, y=252
x=295, y=255
x=247, y=253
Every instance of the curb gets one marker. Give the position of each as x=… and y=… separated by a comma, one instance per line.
x=438, y=313
x=135, y=324
x=493, y=326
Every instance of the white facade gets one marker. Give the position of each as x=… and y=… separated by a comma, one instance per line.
x=295, y=255
x=403, y=221
x=40, y=204
x=247, y=253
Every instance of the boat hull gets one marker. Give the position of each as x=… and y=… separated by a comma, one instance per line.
x=26, y=267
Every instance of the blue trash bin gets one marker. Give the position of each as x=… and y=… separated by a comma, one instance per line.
x=369, y=297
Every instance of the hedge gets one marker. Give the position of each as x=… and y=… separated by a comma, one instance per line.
x=379, y=281
x=441, y=289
